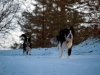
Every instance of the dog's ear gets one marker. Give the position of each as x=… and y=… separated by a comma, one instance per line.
x=23, y=35
x=30, y=37
x=71, y=28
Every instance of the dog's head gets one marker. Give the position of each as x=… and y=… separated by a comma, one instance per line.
x=64, y=35
x=69, y=34
x=27, y=41
x=23, y=36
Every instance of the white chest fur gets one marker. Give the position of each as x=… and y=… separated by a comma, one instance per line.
x=69, y=44
x=28, y=48
x=66, y=45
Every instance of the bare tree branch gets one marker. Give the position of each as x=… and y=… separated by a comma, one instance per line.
x=8, y=10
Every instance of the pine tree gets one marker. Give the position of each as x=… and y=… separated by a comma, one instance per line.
x=50, y=16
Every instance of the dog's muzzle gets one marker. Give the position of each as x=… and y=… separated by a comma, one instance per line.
x=70, y=36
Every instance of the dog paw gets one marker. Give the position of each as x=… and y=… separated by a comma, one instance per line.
x=68, y=57
x=58, y=48
x=61, y=56
x=29, y=54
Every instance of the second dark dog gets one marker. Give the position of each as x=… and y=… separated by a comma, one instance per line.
x=26, y=44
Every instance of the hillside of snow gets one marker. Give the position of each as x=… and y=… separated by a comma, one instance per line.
x=89, y=47
x=85, y=60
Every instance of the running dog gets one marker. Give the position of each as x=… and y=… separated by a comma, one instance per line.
x=64, y=40
x=26, y=44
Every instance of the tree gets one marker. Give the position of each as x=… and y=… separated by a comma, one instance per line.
x=8, y=9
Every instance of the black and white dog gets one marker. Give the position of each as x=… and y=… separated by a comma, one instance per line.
x=26, y=44
x=64, y=40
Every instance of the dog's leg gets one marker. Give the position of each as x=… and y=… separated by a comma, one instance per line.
x=30, y=52
x=23, y=52
x=62, y=53
x=69, y=52
x=26, y=52
x=28, y=49
x=58, y=46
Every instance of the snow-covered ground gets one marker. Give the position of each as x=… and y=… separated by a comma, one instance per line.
x=85, y=60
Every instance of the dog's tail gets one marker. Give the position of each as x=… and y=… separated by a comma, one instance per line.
x=54, y=41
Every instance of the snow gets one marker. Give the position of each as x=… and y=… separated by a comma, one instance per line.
x=46, y=61
x=89, y=47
